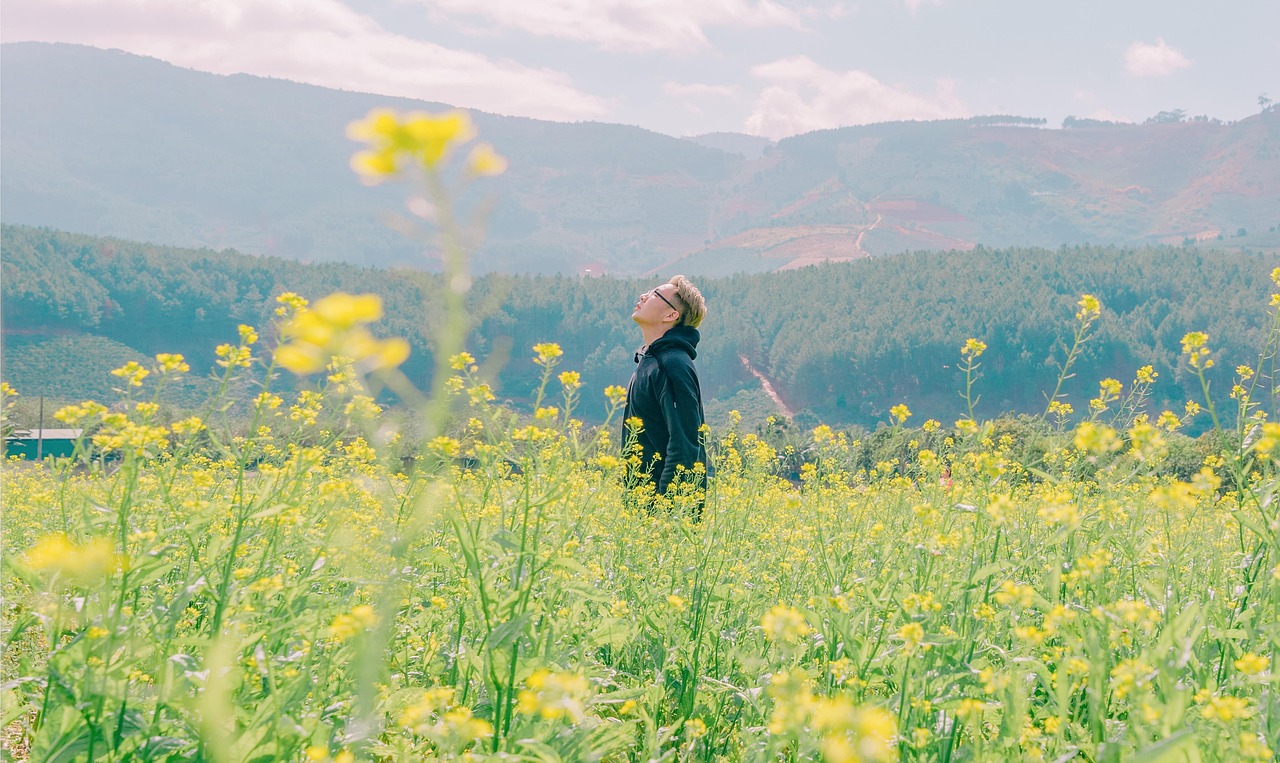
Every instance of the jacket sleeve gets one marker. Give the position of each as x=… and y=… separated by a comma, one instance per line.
x=679, y=400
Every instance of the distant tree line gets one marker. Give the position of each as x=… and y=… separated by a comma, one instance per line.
x=844, y=342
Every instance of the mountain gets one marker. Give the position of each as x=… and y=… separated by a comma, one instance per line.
x=105, y=142
x=746, y=146
x=109, y=143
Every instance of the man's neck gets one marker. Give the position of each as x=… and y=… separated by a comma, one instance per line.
x=654, y=333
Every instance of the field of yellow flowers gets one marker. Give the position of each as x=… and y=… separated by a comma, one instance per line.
x=297, y=590
x=296, y=593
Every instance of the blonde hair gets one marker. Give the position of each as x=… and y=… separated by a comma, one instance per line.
x=695, y=307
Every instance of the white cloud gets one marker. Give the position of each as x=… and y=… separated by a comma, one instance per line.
x=322, y=42
x=802, y=96
x=624, y=25
x=1146, y=60
x=698, y=90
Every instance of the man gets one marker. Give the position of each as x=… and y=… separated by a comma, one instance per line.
x=662, y=425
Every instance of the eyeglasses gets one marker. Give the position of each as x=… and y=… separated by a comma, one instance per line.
x=658, y=294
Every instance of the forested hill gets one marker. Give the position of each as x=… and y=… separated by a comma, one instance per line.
x=845, y=341
x=108, y=143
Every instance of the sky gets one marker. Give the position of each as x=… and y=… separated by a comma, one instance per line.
x=687, y=67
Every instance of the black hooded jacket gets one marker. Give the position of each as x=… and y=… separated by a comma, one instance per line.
x=664, y=394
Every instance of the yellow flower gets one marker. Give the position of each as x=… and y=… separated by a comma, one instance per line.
x=971, y=709
x=432, y=702
x=172, y=362
x=1146, y=442
x=1226, y=709
x=1090, y=307
x=1252, y=664
x=446, y=447
x=1194, y=347
x=1130, y=674
x=334, y=327
x=911, y=634
x=1253, y=748
x=1060, y=409
x=900, y=413
x=570, y=380
x=615, y=394
x=422, y=138
x=547, y=353
x=1096, y=438
x=132, y=372
x=433, y=135
x=189, y=425
x=1015, y=593
x=81, y=564
x=554, y=695
x=343, y=311
x=1176, y=498
x=973, y=348
x=850, y=734
x=1000, y=509
x=785, y=624
x=290, y=303
x=484, y=161
x=792, y=701
x=346, y=626
x=231, y=356
x=823, y=433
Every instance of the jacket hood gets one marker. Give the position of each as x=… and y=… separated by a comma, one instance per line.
x=683, y=338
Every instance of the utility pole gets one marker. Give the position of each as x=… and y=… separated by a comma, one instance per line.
x=40, y=433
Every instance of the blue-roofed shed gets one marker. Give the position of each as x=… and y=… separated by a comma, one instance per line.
x=41, y=443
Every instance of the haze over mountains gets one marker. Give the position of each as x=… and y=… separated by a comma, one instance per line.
x=109, y=143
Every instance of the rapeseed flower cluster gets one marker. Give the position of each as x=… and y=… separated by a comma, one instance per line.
x=417, y=139
x=335, y=326
x=554, y=695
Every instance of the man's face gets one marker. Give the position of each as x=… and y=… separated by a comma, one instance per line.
x=652, y=310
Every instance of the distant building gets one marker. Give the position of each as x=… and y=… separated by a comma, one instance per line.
x=41, y=443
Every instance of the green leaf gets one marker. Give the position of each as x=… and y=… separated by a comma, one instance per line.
x=613, y=631
x=506, y=539
x=1179, y=748
x=64, y=740
x=504, y=635
x=270, y=511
